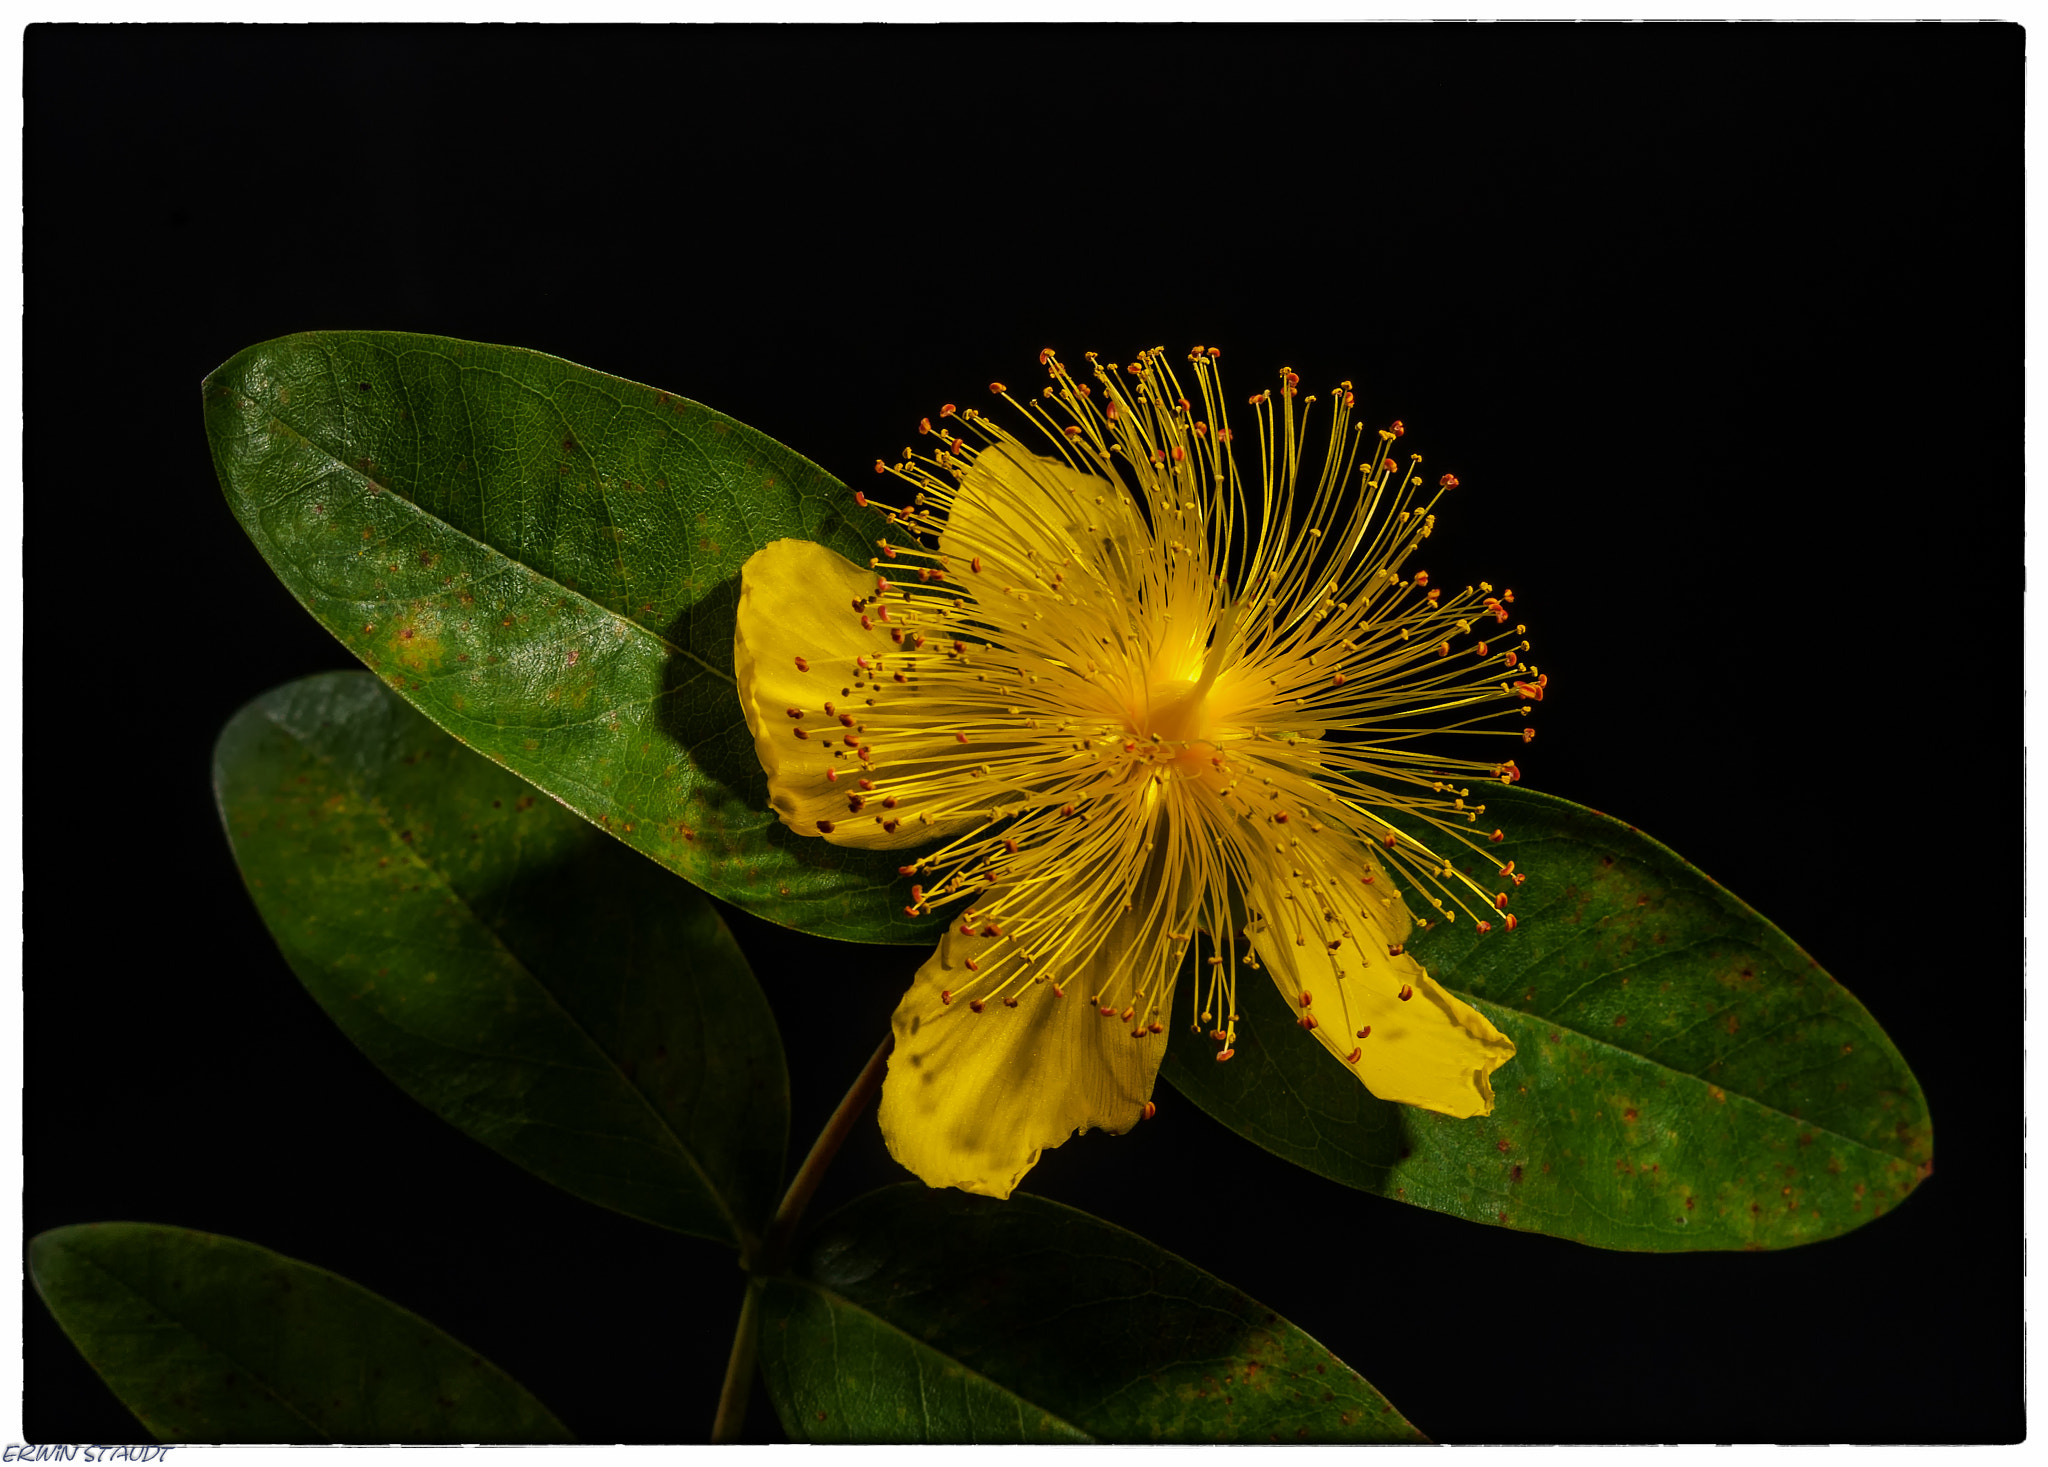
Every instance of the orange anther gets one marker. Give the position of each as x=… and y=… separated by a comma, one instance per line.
x=1512, y=923
x=802, y=666
x=945, y=995
x=1148, y=1112
x=1126, y=1015
x=860, y=498
x=1397, y=430
x=924, y=425
x=1367, y=878
x=1279, y=817
x=1010, y=1002
x=796, y=713
x=1500, y=900
x=1484, y=928
x=1407, y=992
x=880, y=467
x=1307, y=998
x=854, y=804
x=976, y=564
x=1497, y=837
x=974, y=1003
x=958, y=738
x=1528, y=735
x=947, y=411
x=972, y=966
x=1366, y=1032
x=1308, y=1021
x=1352, y=1058
x=801, y=733
x=1045, y=356
x=1224, y=1055
x=1422, y=578
x=997, y=387
x=1108, y=1011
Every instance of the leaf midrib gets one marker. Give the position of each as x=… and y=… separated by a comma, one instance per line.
x=657, y=638
x=1612, y=1048
x=832, y=1296
x=83, y=1259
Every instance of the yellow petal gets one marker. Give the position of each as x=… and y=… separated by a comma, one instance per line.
x=794, y=649
x=972, y=1099
x=1433, y=1050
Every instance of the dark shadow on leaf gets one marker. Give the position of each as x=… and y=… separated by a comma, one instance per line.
x=1283, y=1090
x=701, y=712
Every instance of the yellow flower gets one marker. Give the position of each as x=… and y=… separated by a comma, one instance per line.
x=1130, y=703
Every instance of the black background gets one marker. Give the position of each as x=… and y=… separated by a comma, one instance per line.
x=1720, y=327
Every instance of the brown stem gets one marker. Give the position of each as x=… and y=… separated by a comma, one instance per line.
x=772, y=1254
x=739, y=1370
x=774, y=1249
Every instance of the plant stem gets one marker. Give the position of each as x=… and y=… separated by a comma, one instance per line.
x=773, y=1253
x=739, y=1370
x=775, y=1247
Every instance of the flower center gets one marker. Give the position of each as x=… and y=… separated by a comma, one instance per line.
x=1178, y=714
x=1177, y=711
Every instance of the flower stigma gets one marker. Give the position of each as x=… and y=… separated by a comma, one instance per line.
x=1158, y=727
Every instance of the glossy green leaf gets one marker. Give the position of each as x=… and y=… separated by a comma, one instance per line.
x=210, y=1339
x=1684, y=1078
x=934, y=1316
x=544, y=560
x=548, y=991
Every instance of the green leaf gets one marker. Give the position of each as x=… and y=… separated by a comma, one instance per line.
x=934, y=1316
x=538, y=985
x=544, y=560
x=210, y=1339
x=1685, y=1077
